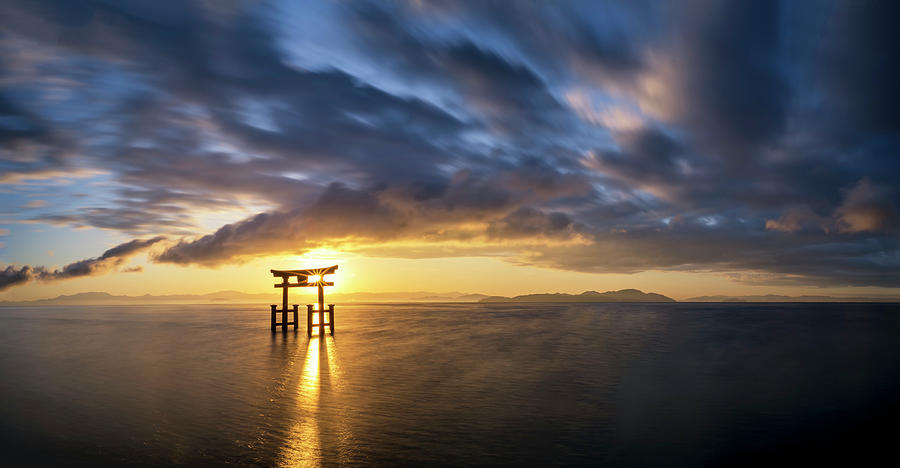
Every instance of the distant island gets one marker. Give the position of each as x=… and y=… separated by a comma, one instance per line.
x=622, y=295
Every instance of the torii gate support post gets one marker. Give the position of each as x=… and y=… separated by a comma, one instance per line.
x=331, y=318
x=284, y=295
x=322, y=311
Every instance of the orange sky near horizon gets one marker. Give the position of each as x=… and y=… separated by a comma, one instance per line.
x=360, y=273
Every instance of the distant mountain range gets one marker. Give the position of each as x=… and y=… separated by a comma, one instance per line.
x=237, y=297
x=623, y=295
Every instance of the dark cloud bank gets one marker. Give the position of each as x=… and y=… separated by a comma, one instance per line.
x=112, y=258
x=763, y=139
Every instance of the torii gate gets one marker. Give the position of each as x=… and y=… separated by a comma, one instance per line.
x=317, y=277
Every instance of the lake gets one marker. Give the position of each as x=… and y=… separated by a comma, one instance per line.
x=451, y=384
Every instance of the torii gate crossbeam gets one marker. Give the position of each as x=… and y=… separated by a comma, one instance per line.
x=317, y=275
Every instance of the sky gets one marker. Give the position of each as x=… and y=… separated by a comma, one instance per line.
x=500, y=147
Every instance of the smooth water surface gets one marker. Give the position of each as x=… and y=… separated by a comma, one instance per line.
x=451, y=384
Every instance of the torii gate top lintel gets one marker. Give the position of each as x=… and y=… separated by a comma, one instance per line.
x=303, y=276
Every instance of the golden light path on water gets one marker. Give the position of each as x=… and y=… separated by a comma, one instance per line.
x=320, y=374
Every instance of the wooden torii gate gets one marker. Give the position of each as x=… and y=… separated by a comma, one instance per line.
x=313, y=277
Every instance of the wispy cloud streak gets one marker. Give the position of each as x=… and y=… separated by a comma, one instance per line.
x=109, y=260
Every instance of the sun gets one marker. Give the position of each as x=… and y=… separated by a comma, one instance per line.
x=320, y=258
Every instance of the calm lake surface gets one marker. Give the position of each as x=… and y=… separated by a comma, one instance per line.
x=451, y=384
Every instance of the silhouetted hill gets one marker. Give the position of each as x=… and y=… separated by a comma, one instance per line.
x=623, y=295
x=102, y=298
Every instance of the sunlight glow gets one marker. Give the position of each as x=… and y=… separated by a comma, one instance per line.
x=309, y=380
x=319, y=258
x=314, y=279
x=302, y=446
x=320, y=375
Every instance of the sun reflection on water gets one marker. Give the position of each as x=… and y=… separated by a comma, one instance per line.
x=304, y=445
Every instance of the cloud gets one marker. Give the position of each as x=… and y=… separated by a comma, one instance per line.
x=530, y=223
x=754, y=138
x=46, y=174
x=801, y=259
x=378, y=214
x=467, y=207
x=18, y=124
x=35, y=204
x=798, y=218
x=11, y=276
x=867, y=207
x=106, y=262
x=647, y=158
x=615, y=116
x=722, y=75
x=110, y=259
x=858, y=66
